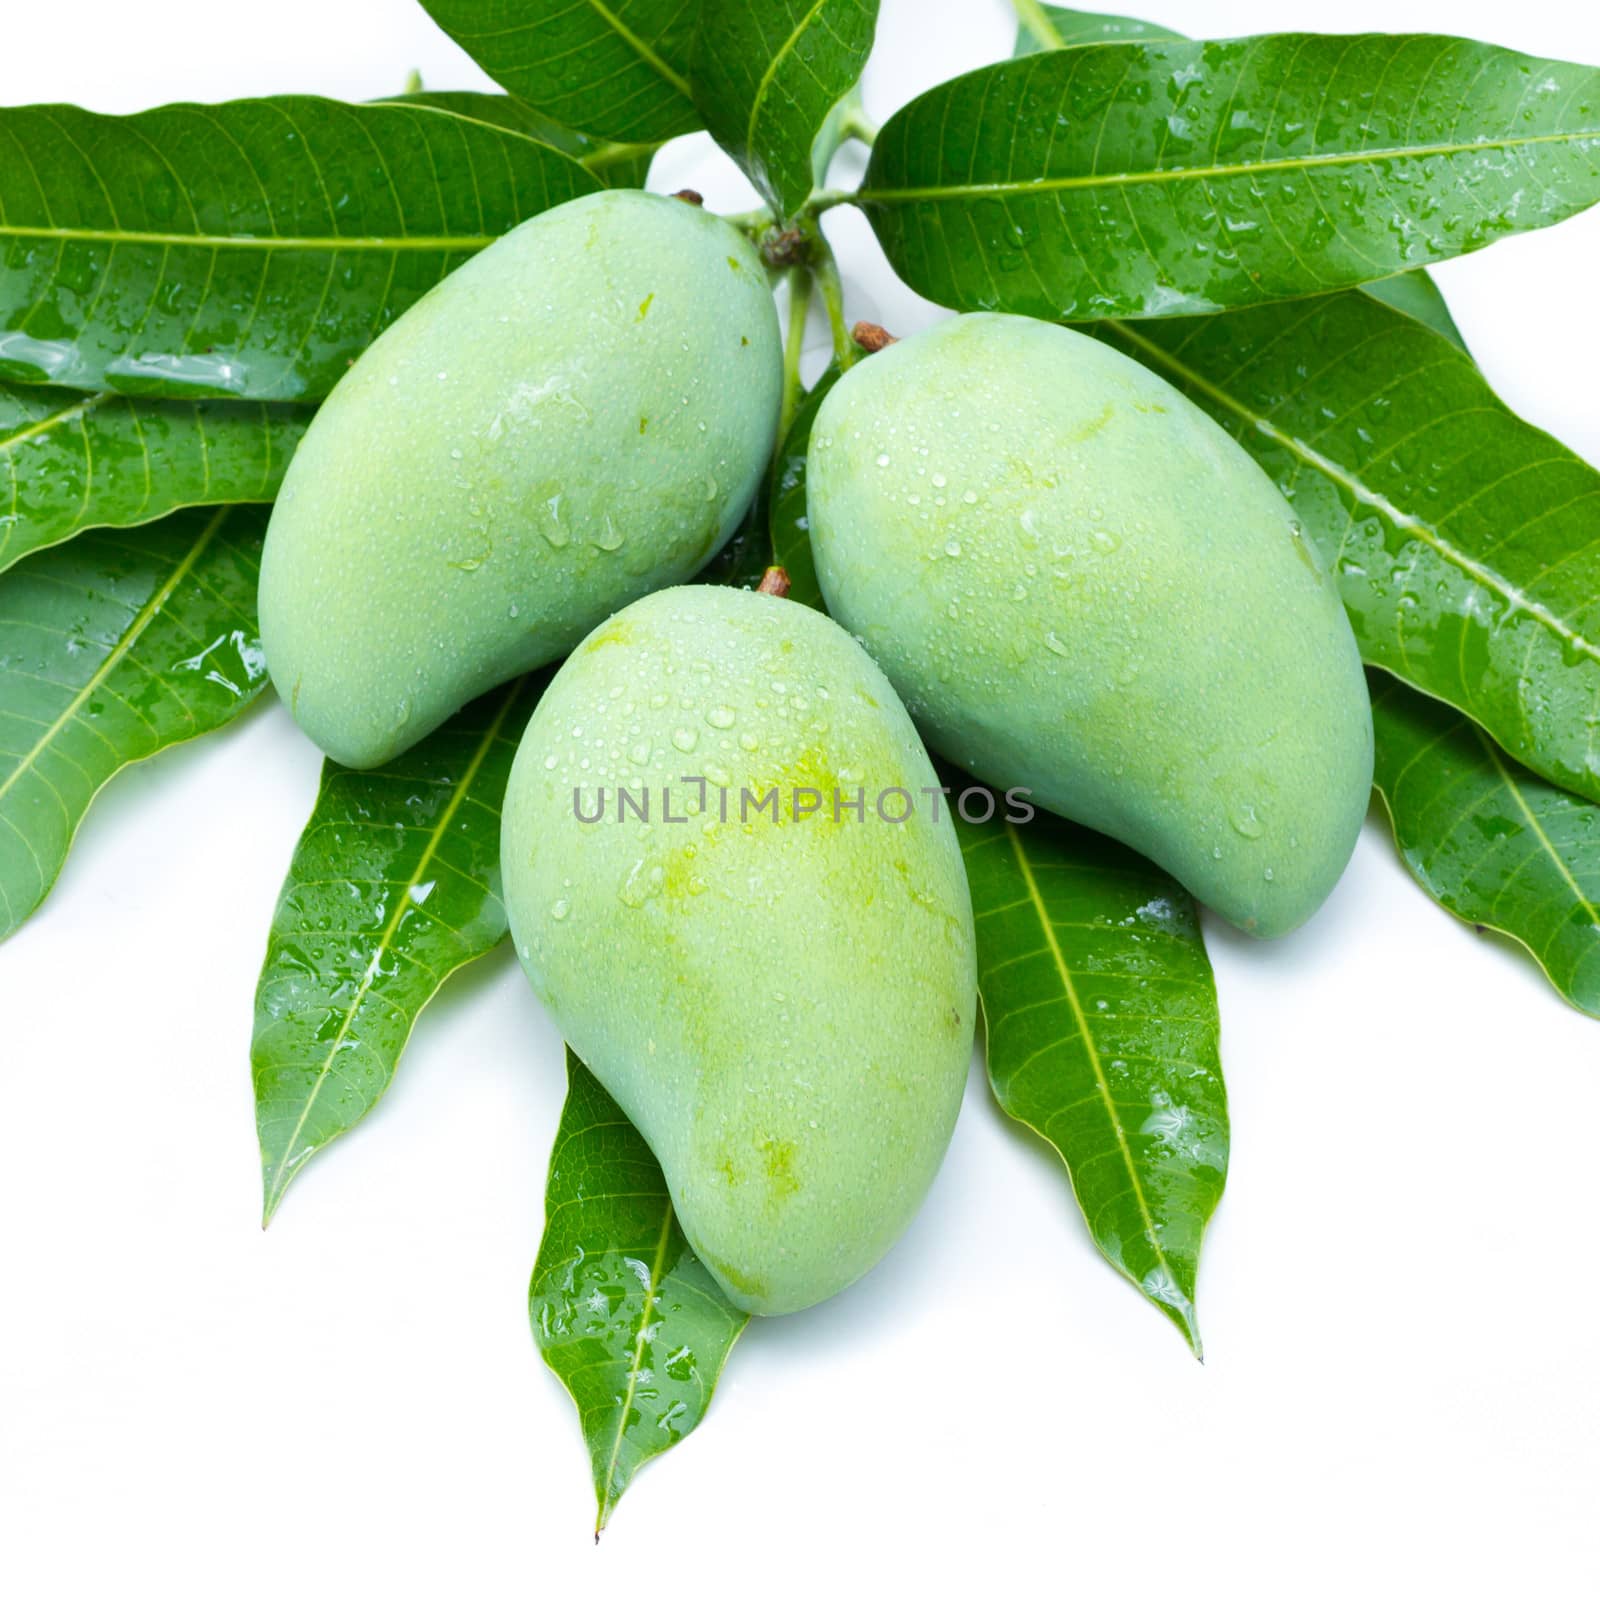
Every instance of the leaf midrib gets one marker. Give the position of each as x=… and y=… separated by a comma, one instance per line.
x=336, y=243
x=56, y=419
x=1514, y=789
x=142, y=619
x=641, y=49
x=636, y=1362
x=1112, y=180
x=403, y=904
x=1514, y=597
x=1086, y=1033
x=767, y=78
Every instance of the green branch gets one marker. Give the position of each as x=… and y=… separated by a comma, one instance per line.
x=799, y=281
x=845, y=351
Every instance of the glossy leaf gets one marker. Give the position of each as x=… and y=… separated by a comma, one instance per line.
x=113, y=647
x=252, y=249
x=1054, y=28
x=1417, y=296
x=70, y=461
x=787, y=516
x=1155, y=178
x=614, y=69
x=1102, y=1027
x=623, y=1311
x=617, y=166
x=395, y=883
x=1489, y=840
x=1044, y=27
x=1465, y=542
x=767, y=73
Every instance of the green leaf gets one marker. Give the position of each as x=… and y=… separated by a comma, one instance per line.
x=1156, y=178
x=786, y=516
x=617, y=166
x=622, y=1310
x=1488, y=839
x=1055, y=28
x=113, y=647
x=1103, y=1038
x=252, y=249
x=395, y=883
x=1417, y=296
x=1466, y=543
x=615, y=69
x=71, y=461
x=767, y=73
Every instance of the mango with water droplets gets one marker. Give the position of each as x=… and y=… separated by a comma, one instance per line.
x=770, y=974
x=1082, y=586
x=580, y=414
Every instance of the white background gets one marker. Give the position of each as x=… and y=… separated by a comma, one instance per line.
x=1399, y=1296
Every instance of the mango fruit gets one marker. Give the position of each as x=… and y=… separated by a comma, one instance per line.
x=779, y=992
x=578, y=415
x=1082, y=586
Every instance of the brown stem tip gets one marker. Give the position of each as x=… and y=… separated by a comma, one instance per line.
x=774, y=581
x=785, y=247
x=872, y=338
x=690, y=197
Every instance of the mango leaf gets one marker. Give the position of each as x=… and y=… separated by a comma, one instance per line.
x=1102, y=1024
x=113, y=647
x=622, y=1310
x=395, y=883
x=1466, y=543
x=1044, y=27
x=1489, y=840
x=1417, y=296
x=1154, y=178
x=1054, y=28
x=617, y=166
x=252, y=249
x=767, y=73
x=70, y=461
x=787, y=516
x=615, y=70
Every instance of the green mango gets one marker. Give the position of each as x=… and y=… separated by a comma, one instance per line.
x=580, y=414
x=780, y=996
x=1081, y=586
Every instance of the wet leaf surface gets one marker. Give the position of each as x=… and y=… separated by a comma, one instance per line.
x=618, y=70
x=1103, y=1037
x=70, y=461
x=249, y=250
x=623, y=1311
x=1489, y=840
x=1466, y=543
x=113, y=647
x=1163, y=177
x=395, y=884
x=767, y=73
x=617, y=166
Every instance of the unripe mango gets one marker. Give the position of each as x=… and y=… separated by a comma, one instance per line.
x=580, y=414
x=1082, y=586
x=780, y=995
